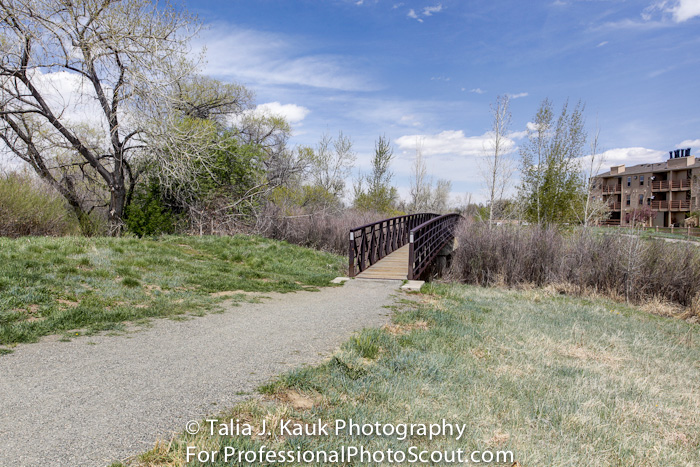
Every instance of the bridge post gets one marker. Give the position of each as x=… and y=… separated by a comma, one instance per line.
x=411, y=257
x=351, y=256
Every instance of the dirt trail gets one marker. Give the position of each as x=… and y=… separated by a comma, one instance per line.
x=99, y=399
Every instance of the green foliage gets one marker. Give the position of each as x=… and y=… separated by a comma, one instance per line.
x=235, y=169
x=552, y=185
x=379, y=195
x=224, y=181
x=147, y=215
x=310, y=197
x=28, y=207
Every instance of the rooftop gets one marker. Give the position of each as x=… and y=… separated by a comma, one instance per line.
x=653, y=167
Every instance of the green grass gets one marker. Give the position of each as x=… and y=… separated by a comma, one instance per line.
x=59, y=285
x=558, y=381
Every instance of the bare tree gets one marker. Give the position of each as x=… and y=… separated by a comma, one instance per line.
x=332, y=162
x=593, y=210
x=420, y=182
x=497, y=169
x=121, y=55
x=440, y=196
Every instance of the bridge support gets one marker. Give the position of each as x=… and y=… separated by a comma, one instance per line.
x=442, y=261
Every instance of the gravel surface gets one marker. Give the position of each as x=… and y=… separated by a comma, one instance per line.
x=99, y=399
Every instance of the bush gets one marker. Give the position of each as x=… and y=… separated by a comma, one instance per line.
x=615, y=264
x=326, y=231
x=147, y=215
x=30, y=207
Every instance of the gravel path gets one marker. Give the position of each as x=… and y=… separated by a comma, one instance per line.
x=82, y=404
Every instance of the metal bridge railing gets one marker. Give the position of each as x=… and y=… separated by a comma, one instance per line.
x=426, y=241
x=371, y=242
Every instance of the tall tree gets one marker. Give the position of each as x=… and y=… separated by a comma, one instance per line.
x=419, y=191
x=120, y=54
x=424, y=196
x=497, y=169
x=550, y=164
x=331, y=164
x=593, y=210
x=379, y=195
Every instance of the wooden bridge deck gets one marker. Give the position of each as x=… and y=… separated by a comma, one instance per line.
x=393, y=266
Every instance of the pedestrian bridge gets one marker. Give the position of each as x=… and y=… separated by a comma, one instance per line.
x=400, y=247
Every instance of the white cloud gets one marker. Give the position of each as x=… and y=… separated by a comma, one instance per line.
x=449, y=143
x=689, y=143
x=663, y=13
x=71, y=96
x=396, y=6
x=518, y=95
x=261, y=58
x=682, y=10
x=412, y=14
x=292, y=113
x=409, y=120
x=685, y=10
x=429, y=10
x=633, y=24
x=449, y=154
x=628, y=157
x=532, y=126
x=517, y=134
x=602, y=44
x=477, y=90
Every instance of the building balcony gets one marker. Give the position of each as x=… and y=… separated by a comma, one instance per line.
x=659, y=205
x=610, y=189
x=679, y=185
x=660, y=185
x=673, y=205
x=615, y=206
x=679, y=205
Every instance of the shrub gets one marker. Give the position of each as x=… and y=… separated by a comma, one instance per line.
x=148, y=215
x=30, y=207
x=614, y=264
x=324, y=230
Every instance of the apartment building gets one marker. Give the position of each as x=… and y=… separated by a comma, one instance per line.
x=671, y=190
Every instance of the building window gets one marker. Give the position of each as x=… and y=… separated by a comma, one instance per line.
x=628, y=200
x=641, y=180
x=648, y=201
x=629, y=181
x=641, y=199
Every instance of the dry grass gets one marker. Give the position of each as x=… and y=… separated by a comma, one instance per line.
x=560, y=381
x=663, y=277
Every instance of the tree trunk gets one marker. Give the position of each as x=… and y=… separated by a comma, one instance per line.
x=117, y=203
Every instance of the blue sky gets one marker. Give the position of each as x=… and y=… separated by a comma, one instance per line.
x=430, y=69
x=418, y=70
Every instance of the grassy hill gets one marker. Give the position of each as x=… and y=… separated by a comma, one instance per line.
x=77, y=285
